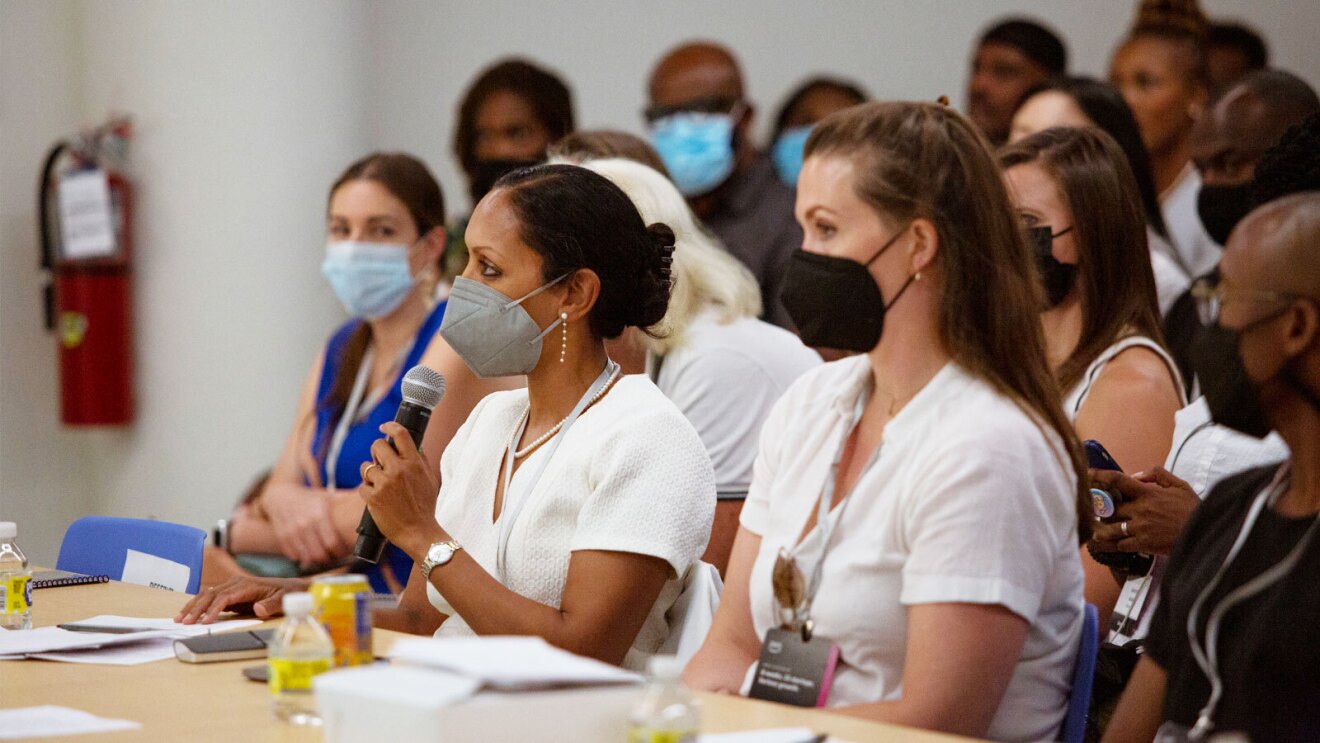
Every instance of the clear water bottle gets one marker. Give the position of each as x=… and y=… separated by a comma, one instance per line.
x=666, y=712
x=300, y=650
x=15, y=581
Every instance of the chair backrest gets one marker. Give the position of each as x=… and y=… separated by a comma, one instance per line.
x=98, y=545
x=1074, y=723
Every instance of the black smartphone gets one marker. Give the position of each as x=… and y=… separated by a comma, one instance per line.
x=1106, y=503
x=225, y=646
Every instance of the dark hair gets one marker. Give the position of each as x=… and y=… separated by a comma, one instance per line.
x=926, y=160
x=1241, y=38
x=1291, y=166
x=1114, y=276
x=548, y=96
x=1104, y=105
x=852, y=91
x=602, y=143
x=1041, y=45
x=409, y=181
x=575, y=219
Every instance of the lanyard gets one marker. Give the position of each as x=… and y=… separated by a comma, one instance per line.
x=513, y=505
x=825, y=521
x=1207, y=653
x=351, y=408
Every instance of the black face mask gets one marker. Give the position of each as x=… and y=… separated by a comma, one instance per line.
x=835, y=301
x=485, y=172
x=1058, y=277
x=1221, y=208
x=1229, y=392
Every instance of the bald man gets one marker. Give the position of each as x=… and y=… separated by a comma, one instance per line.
x=1252, y=545
x=1250, y=118
x=700, y=122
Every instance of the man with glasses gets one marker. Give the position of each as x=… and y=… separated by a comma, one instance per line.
x=1231, y=645
x=700, y=122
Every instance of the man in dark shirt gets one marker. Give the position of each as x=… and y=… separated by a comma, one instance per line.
x=700, y=122
x=1233, y=644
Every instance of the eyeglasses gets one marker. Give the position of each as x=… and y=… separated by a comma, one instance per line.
x=708, y=105
x=1211, y=295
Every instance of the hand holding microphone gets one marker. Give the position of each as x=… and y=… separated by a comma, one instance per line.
x=397, y=465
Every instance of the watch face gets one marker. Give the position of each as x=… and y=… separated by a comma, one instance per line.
x=440, y=553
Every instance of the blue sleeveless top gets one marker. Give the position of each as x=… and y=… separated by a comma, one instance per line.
x=357, y=443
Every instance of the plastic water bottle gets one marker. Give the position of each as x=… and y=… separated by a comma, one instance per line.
x=15, y=581
x=666, y=712
x=300, y=650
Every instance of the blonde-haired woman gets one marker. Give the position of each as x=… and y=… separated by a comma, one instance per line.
x=720, y=365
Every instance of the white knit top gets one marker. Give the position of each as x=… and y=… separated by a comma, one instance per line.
x=631, y=475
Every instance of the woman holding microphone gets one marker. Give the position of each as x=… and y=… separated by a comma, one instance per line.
x=573, y=509
x=916, y=508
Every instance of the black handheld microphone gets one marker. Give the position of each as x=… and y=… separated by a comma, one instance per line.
x=423, y=388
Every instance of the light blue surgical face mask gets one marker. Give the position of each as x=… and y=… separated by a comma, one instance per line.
x=493, y=334
x=697, y=149
x=787, y=153
x=371, y=279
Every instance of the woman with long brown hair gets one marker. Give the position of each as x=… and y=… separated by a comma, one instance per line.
x=385, y=233
x=1077, y=197
x=915, y=509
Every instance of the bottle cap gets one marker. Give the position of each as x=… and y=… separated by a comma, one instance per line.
x=665, y=667
x=297, y=604
x=8, y=530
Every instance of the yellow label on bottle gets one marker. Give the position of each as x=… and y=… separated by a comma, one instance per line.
x=287, y=674
x=16, y=594
x=648, y=735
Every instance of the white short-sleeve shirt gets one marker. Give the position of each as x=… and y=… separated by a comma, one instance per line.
x=630, y=476
x=725, y=378
x=968, y=501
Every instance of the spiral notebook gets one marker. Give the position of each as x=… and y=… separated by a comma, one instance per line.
x=60, y=578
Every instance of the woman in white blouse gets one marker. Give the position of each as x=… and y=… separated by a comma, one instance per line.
x=572, y=509
x=946, y=568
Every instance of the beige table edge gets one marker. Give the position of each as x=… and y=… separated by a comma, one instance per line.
x=212, y=702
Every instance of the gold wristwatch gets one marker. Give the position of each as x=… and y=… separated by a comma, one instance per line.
x=439, y=554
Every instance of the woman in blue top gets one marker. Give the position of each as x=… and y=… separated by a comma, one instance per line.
x=385, y=236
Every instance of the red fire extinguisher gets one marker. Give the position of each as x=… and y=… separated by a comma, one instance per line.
x=85, y=206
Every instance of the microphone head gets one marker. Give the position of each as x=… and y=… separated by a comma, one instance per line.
x=423, y=386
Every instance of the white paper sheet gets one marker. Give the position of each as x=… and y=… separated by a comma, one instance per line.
x=52, y=643
x=86, y=216
x=155, y=572
x=50, y=720
x=509, y=662
x=47, y=639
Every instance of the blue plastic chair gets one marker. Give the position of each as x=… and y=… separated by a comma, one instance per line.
x=98, y=545
x=1079, y=702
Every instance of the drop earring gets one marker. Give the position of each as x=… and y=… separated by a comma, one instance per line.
x=563, y=346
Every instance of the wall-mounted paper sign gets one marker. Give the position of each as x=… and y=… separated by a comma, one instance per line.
x=87, y=224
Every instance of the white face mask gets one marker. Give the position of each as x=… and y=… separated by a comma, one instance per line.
x=493, y=334
x=370, y=279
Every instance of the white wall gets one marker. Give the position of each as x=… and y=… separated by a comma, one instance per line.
x=45, y=479
x=247, y=110
x=426, y=53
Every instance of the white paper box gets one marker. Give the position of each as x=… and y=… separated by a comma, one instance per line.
x=403, y=704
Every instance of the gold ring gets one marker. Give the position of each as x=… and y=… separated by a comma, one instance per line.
x=1123, y=526
x=368, y=469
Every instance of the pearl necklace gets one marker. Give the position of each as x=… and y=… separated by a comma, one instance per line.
x=520, y=453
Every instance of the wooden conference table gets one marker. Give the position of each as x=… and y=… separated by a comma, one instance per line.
x=212, y=702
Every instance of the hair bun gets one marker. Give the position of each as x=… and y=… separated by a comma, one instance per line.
x=664, y=240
